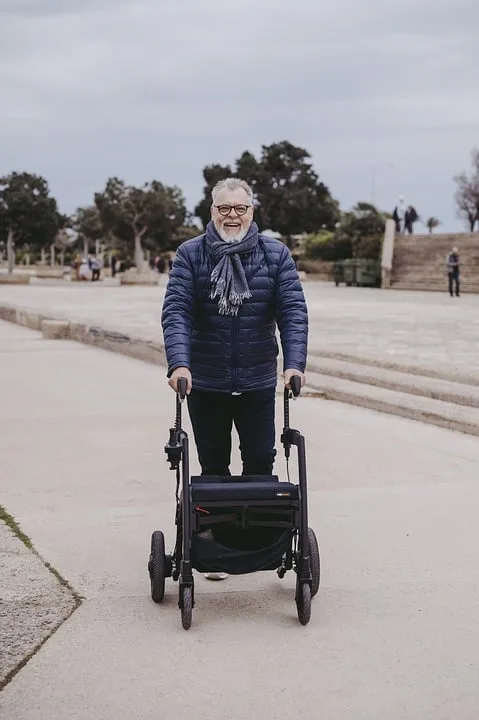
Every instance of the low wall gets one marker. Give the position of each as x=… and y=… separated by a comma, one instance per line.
x=14, y=279
x=320, y=269
x=388, y=253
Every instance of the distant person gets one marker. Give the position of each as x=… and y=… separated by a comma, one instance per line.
x=84, y=272
x=76, y=264
x=453, y=272
x=399, y=215
x=410, y=218
x=113, y=266
x=95, y=268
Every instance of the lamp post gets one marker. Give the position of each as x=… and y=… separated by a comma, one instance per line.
x=374, y=171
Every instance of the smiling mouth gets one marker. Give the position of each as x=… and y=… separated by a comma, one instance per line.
x=232, y=225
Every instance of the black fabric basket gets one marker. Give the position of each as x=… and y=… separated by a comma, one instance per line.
x=237, y=551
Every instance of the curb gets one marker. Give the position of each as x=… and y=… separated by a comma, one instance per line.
x=60, y=600
x=393, y=402
x=145, y=350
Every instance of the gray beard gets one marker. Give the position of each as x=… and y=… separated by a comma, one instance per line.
x=232, y=238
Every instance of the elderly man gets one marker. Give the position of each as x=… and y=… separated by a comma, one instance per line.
x=227, y=291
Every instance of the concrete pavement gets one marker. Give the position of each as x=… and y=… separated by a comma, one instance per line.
x=430, y=332
x=411, y=354
x=394, y=631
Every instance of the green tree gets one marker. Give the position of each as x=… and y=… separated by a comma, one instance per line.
x=147, y=215
x=211, y=175
x=328, y=246
x=289, y=197
x=467, y=193
x=362, y=226
x=88, y=226
x=28, y=214
x=432, y=223
x=183, y=233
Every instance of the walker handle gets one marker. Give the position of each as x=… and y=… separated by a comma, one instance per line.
x=182, y=385
x=295, y=384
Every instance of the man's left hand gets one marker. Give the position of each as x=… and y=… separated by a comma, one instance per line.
x=288, y=374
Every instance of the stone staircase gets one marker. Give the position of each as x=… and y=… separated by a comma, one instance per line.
x=419, y=261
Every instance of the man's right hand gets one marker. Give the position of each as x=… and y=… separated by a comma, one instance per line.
x=178, y=373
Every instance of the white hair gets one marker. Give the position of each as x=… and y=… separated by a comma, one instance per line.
x=232, y=184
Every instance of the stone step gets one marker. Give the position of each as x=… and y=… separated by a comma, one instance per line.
x=424, y=409
x=432, y=277
x=462, y=240
x=432, y=255
x=433, y=287
x=433, y=263
x=442, y=246
x=450, y=391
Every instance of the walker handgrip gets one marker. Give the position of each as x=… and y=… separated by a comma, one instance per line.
x=182, y=386
x=295, y=384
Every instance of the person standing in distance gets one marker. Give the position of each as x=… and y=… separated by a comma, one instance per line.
x=453, y=272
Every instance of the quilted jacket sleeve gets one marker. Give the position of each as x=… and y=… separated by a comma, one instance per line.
x=291, y=314
x=177, y=314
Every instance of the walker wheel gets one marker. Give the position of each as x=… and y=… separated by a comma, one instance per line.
x=156, y=566
x=186, y=606
x=303, y=602
x=314, y=560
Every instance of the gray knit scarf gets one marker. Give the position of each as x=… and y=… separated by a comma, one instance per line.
x=228, y=279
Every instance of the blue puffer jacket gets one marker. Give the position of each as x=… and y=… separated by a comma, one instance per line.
x=235, y=353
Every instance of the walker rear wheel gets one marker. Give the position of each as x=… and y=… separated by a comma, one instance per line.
x=314, y=561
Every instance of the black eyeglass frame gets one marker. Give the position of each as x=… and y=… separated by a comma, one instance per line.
x=232, y=207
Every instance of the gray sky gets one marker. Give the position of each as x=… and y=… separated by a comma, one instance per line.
x=151, y=89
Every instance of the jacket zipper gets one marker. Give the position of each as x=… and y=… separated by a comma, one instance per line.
x=234, y=369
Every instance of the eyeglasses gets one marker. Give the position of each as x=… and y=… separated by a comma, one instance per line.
x=225, y=210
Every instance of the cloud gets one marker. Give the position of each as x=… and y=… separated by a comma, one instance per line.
x=147, y=89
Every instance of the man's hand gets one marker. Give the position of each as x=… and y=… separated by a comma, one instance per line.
x=288, y=374
x=178, y=373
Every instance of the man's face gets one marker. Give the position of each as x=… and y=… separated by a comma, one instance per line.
x=232, y=214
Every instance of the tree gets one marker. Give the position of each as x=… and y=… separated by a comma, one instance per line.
x=183, y=233
x=291, y=198
x=28, y=215
x=288, y=194
x=211, y=175
x=432, y=223
x=87, y=223
x=150, y=214
x=467, y=193
x=362, y=226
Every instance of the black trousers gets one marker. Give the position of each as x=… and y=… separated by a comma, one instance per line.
x=212, y=416
x=453, y=280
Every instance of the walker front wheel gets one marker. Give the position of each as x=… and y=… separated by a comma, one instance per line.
x=157, y=566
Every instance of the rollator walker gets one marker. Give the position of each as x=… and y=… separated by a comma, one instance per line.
x=237, y=524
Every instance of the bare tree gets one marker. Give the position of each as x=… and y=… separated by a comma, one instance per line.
x=467, y=193
x=432, y=223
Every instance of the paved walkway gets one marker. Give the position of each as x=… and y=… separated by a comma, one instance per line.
x=429, y=331
x=394, y=632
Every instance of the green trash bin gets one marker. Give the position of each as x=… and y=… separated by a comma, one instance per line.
x=338, y=272
x=349, y=268
x=367, y=273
